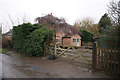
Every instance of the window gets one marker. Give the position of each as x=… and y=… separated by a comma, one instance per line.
x=58, y=40
x=77, y=40
x=74, y=40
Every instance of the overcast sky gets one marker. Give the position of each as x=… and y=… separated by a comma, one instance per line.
x=71, y=10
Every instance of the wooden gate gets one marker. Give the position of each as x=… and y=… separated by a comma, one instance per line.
x=78, y=54
x=107, y=60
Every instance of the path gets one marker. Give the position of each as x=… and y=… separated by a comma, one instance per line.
x=38, y=67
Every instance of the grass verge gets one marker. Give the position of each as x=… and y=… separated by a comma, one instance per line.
x=3, y=51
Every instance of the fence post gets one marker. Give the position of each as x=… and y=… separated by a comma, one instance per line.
x=94, y=57
x=111, y=59
x=98, y=57
x=114, y=60
x=108, y=65
x=44, y=53
x=104, y=59
x=55, y=50
x=55, y=45
x=119, y=61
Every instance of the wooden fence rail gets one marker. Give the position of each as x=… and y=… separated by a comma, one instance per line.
x=108, y=60
x=78, y=54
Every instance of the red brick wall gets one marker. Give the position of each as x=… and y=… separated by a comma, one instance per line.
x=59, y=36
x=67, y=41
x=75, y=43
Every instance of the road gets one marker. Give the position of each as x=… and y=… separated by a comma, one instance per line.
x=8, y=71
x=13, y=66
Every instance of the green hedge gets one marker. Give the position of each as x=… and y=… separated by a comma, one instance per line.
x=29, y=38
x=87, y=36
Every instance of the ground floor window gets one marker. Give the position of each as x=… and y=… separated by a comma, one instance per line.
x=74, y=40
x=58, y=40
x=77, y=40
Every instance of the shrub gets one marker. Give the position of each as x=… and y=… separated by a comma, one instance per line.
x=35, y=43
x=29, y=39
x=20, y=33
x=87, y=36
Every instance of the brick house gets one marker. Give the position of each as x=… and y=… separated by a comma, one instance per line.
x=68, y=39
x=65, y=33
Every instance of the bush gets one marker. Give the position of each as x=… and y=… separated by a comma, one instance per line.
x=35, y=43
x=87, y=36
x=20, y=34
x=29, y=39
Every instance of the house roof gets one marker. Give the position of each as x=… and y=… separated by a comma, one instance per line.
x=10, y=31
x=58, y=25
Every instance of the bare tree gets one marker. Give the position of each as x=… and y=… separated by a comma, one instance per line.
x=57, y=24
x=50, y=19
x=9, y=21
x=114, y=12
x=86, y=24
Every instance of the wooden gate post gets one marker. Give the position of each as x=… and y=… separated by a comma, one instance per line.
x=55, y=50
x=55, y=45
x=94, y=57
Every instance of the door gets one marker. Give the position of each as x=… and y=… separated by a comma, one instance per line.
x=78, y=44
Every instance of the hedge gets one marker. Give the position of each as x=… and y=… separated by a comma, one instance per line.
x=29, y=38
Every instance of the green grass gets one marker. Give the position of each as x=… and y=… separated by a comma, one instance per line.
x=3, y=51
x=8, y=51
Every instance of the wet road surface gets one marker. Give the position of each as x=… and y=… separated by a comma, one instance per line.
x=14, y=66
